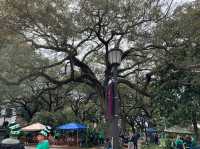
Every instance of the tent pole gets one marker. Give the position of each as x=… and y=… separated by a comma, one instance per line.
x=86, y=136
x=77, y=137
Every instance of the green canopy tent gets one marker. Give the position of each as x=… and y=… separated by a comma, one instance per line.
x=178, y=130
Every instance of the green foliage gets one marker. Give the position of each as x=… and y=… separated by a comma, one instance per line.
x=45, y=118
x=177, y=77
x=169, y=144
x=164, y=144
x=18, y=59
x=89, y=29
x=54, y=118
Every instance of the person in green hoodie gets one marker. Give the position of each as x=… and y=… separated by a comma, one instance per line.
x=43, y=139
x=179, y=142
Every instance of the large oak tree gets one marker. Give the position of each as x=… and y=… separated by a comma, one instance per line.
x=83, y=32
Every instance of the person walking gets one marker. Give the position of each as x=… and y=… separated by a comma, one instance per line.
x=12, y=142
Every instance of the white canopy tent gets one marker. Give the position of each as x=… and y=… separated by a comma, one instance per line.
x=178, y=130
x=34, y=127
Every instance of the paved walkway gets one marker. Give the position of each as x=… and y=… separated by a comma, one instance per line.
x=69, y=147
x=64, y=147
x=74, y=147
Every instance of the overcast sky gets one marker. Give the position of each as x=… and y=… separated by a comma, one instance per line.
x=176, y=2
x=181, y=1
x=46, y=53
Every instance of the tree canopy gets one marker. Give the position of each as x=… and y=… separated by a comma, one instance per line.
x=51, y=46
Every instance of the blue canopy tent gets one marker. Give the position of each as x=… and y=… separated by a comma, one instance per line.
x=151, y=130
x=150, y=133
x=72, y=126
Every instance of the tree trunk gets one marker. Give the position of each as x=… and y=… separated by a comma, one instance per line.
x=133, y=127
x=123, y=124
x=194, y=123
x=146, y=136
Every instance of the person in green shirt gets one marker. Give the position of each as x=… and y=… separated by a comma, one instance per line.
x=44, y=144
x=101, y=137
x=179, y=142
x=43, y=139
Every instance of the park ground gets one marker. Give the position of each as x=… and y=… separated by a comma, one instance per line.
x=63, y=147
x=70, y=147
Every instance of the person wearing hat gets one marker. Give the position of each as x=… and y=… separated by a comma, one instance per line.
x=43, y=138
x=12, y=142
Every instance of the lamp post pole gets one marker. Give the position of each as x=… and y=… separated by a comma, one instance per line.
x=115, y=57
x=115, y=121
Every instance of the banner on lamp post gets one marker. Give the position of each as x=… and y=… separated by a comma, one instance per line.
x=111, y=100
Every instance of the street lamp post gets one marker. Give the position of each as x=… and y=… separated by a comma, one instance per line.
x=114, y=57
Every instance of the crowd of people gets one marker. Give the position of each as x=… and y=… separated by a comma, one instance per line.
x=133, y=141
x=16, y=138
x=181, y=142
x=44, y=138
x=12, y=141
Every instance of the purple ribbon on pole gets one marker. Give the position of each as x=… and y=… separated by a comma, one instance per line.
x=110, y=94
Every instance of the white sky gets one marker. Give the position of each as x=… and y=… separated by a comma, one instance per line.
x=53, y=54
x=181, y=1
x=178, y=2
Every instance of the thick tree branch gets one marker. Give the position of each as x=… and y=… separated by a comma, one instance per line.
x=135, y=87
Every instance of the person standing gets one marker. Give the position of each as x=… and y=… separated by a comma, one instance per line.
x=101, y=137
x=130, y=141
x=179, y=142
x=12, y=142
x=188, y=142
x=156, y=138
x=108, y=144
x=43, y=139
x=135, y=139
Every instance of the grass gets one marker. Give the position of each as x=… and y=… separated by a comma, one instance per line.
x=151, y=146
x=164, y=144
